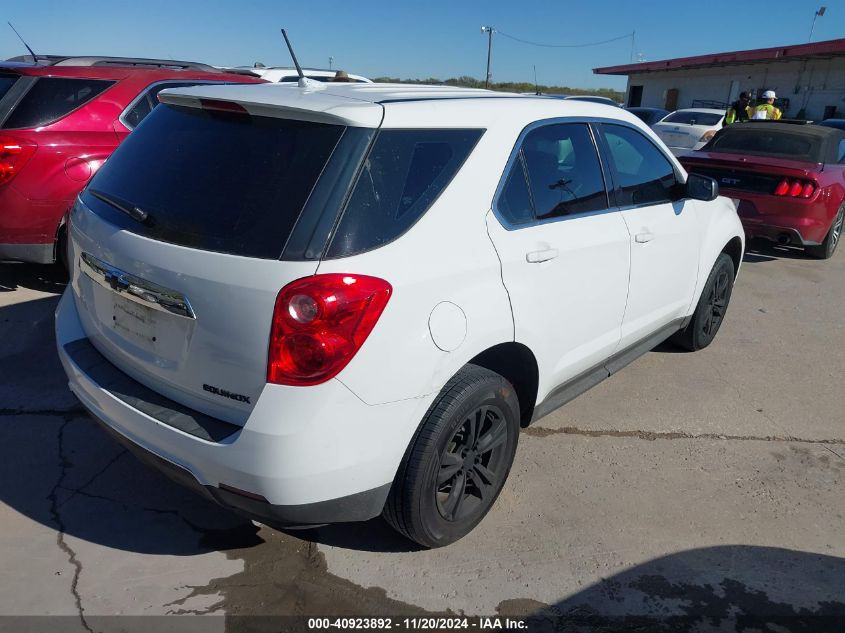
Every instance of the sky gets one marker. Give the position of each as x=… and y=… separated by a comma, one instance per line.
x=417, y=40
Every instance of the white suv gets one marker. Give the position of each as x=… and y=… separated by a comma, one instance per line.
x=318, y=306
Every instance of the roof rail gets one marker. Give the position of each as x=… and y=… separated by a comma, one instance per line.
x=132, y=61
x=101, y=60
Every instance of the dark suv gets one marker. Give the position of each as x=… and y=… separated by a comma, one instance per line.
x=60, y=119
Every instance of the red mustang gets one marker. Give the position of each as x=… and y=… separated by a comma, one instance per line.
x=60, y=119
x=789, y=180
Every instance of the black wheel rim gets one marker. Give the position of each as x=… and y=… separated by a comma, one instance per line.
x=471, y=467
x=717, y=304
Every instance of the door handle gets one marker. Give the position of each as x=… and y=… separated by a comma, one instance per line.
x=535, y=257
x=642, y=238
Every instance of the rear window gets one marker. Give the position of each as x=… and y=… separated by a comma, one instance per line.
x=7, y=80
x=403, y=175
x=215, y=181
x=693, y=118
x=51, y=98
x=750, y=140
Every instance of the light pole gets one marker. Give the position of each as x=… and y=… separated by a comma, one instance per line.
x=331, y=61
x=489, y=30
x=817, y=14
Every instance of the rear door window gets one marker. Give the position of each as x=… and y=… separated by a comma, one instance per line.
x=51, y=98
x=564, y=172
x=403, y=175
x=7, y=80
x=218, y=181
x=514, y=202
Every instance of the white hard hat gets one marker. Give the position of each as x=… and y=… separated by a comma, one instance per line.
x=769, y=94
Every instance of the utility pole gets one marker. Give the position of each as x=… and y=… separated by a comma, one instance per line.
x=817, y=14
x=489, y=30
x=331, y=61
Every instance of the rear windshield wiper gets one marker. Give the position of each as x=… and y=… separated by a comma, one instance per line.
x=136, y=213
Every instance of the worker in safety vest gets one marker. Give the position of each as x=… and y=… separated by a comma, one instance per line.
x=766, y=110
x=739, y=110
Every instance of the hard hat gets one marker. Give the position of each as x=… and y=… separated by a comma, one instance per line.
x=769, y=94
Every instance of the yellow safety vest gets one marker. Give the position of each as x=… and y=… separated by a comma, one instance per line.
x=765, y=111
x=731, y=115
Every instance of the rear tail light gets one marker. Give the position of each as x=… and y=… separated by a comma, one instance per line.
x=222, y=106
x=320, y=323
x=795, y=188
x=707, y=136
x=14, y=153
x=808, y=190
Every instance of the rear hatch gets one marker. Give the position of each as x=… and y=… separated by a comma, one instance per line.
x=740, y=174
x=177, y=241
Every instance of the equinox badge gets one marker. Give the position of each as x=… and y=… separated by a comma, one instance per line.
x=226, y=394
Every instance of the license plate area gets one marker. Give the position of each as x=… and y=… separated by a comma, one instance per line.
x=134, y=322
x=129, y=328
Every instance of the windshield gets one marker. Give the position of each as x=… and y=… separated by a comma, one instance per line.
x=691, y=117
x=216, y=181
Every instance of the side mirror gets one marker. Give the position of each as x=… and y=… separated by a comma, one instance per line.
x=701, y=187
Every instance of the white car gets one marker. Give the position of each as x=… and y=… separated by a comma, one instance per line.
x=280, y=74
x=318, y=306
x=689, y=129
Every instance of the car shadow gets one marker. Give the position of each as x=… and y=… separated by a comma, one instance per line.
x=14, y=276
x=758, y=251
x=723, y=588
x=60, y=469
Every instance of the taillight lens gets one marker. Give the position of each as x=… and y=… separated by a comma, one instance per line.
x=222, y=106
x=320, y=323
x=13, y=156
x=707, y=136
x=795, y=188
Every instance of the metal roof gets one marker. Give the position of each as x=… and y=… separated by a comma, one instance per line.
x=828, y=48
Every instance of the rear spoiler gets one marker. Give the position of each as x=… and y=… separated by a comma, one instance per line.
x=279, y=101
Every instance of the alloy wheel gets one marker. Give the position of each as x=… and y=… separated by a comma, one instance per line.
x=717, y=304
x=471, y=465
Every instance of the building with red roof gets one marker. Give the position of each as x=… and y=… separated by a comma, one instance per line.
x=809, y=79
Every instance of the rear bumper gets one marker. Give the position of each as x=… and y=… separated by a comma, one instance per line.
x=304, y=456
x=356, y=507
x=28, y=228
x=32, y=253
x=805, y=222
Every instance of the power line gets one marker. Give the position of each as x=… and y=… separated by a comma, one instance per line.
x=517, y=39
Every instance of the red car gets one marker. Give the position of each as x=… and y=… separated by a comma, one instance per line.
x=789, y=180
x=60, y=119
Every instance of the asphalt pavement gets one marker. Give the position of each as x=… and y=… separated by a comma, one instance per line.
x=686, y=488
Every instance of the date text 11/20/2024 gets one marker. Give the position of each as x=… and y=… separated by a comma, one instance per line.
x=409, y=624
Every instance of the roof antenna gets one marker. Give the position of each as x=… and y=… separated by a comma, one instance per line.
x=34, y=56
x=304, y=82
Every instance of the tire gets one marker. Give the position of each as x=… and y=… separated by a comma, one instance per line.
x=445, y=485
x=61, y=250
x=826, y=249
x=712, y=306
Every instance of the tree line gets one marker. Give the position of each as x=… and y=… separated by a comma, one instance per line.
x=507, y=86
